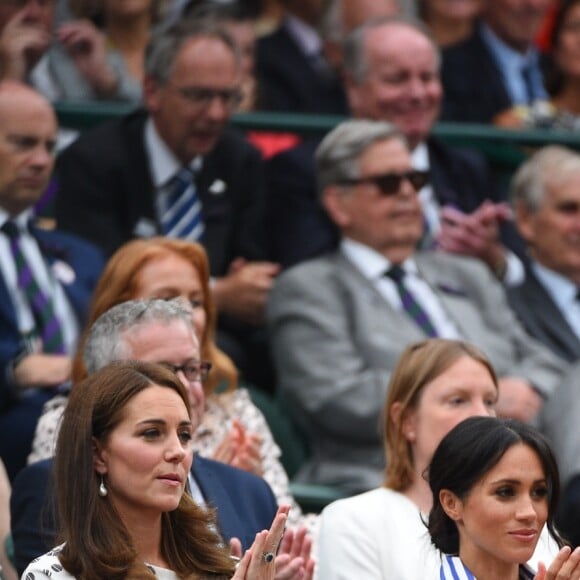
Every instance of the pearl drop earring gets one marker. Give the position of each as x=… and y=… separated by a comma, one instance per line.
x=102, y=489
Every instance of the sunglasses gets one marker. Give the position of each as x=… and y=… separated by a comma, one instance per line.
x=390, y=183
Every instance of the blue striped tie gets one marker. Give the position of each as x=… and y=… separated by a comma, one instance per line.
x=411, y=306
x=182, y=217
x=41, y=304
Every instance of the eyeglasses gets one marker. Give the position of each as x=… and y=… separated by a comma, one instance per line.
x=202, y=97
x=390, y=183
x=193, y=370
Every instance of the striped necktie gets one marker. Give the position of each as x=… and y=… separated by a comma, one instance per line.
x=42, y=305
x=410, y=305
x=182, y=217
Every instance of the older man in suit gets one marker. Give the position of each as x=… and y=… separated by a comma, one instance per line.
x=158, y=331
x=546, y=195
x=498, y=66
x=339, y=322
x=392, y=74
x=46, y=277
x=175, y=169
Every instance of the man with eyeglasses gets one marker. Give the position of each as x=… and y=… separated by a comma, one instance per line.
x=174, y=168
x=339, y=322
x=162, y=332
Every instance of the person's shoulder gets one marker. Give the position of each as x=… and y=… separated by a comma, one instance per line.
x=312, y=272
x=47, y=566
x=57, y=240
x=109, y=135
x=230, y=474
x=465, y=48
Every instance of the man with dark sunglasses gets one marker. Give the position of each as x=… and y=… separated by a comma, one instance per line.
x=339, y=322
x=391, y=72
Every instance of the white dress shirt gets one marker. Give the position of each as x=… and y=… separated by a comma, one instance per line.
x=373, y=266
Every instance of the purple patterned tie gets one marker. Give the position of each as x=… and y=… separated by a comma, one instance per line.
x=48, y=325
x=411, y=306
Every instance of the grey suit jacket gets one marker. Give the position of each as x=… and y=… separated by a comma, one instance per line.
x=336, y=340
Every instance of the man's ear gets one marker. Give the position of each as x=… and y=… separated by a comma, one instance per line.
x=451, y=504
x=524, y=218
x=99, y=458
x=334, y=202
x=151, y=91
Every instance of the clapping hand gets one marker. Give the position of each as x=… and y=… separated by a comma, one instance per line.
x=566, y=566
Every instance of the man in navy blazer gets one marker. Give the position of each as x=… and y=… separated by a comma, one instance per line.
x=391, y=70
x=155, y=331
x=244, y=505
x=498, y=66
x=64, y=267
x=292, y=71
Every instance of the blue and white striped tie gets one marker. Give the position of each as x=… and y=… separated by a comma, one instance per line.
x=182, y=217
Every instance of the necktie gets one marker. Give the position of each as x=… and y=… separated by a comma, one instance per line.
x=182, y=217
x=41, y=304
x=411, y=306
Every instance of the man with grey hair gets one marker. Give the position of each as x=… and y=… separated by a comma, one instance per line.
x=339, y=322
x=162, y=332
x=175, y=169
x=546, y=195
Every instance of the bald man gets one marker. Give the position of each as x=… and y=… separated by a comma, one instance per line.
x=46, y=277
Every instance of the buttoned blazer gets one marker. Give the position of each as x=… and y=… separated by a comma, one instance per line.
x=244, y=505
x=542, y=318
x=473, y=87
x=84, y=264
x=105, y=192
x=335, y=341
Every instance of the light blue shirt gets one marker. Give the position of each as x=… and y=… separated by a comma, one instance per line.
x=510, y=63
x=563, y=293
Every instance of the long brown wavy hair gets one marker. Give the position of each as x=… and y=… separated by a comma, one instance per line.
x=119, y=282
x=97, y=543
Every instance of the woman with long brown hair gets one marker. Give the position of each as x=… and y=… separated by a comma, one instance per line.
x=122, y=461
x=233, y=430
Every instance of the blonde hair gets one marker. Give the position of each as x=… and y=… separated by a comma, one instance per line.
x=420, y=364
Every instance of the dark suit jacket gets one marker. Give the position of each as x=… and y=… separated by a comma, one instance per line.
x=244, y=502
x=542, y=318
x=105, y=192
x=473, y=87
x=298, y=227
x=19, y=414
x=287, y=80
x=86, y=263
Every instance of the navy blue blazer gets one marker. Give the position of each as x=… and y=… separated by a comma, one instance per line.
x=473, y=86
x=298, y=227
x=86, y=263
x=288, y=81
x=244, y=505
